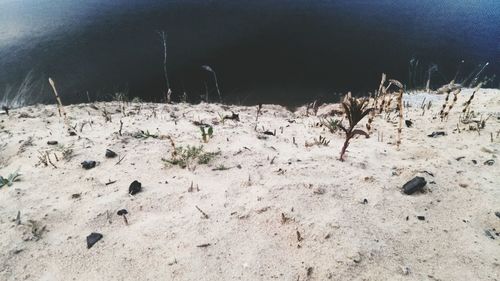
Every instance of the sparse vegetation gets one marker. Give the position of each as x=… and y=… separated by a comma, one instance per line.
x=185, y=157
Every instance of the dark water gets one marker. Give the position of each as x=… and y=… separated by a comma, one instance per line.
x=262, y=50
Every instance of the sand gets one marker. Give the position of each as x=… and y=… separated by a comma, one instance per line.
x=281, y=211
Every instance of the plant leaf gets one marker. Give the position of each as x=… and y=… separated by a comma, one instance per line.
x=360, y=132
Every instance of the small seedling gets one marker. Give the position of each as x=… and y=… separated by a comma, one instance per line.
x=9, y=181
x=206, y=132
x=332, y=124
x=144, y=135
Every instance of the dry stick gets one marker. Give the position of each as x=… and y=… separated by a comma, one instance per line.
x=168, y=93
x=382, y=82
x=120, y=158
x=121, y=127
x=50, y=161
x=203, y=213
x=400, y=107
x=60, y=107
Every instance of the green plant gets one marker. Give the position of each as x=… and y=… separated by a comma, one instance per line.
x=144, y=135
x=221, y=167
x=206, y=132
x=355, y=110
x=332, y=124
x=10, y=179
x=185, y=157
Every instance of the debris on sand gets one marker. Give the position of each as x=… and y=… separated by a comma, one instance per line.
x=416, y=184
x=134, y=188
x=123, y=214
x=88, y=164
x=489, y=162
x=92, y=239
x=437, y=134
x=52, y=142
x=110, y=153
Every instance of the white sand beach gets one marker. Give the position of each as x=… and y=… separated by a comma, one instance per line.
x=274, y=206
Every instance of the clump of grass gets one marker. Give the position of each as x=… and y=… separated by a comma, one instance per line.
x=355, y=110
x=144, y=135
x=321, y=141
x=331, y=124
x=9, y=181
x=185, y=157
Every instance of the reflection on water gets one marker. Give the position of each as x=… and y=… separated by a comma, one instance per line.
x=262, y=51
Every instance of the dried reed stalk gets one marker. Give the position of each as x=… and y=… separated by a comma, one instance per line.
x=467, y=104
x=60, y=107
x=400, y=109
x=446, y=111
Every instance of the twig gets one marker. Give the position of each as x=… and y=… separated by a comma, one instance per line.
x=203, y=213
x=121, y=127
x=120, y=158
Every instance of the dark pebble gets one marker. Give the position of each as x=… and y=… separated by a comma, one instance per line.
x=489, y=162
x=497, y=214
x=52, y=142
x=422, y=218
x=474, y=161
x=437, y=134
x=408, y=123
x=92, y=239
x=110, y=153
x=122, y=212
x=414, y=185
x=134, y=188
x=488, y=234
x=88, y=164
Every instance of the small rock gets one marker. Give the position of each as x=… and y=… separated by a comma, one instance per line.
x=416, y=184
x=76, y=195
x=422, y=218
x=489, y=162
x=355, y=257
x=489, y=234
x=405, y=270
x=408, y=123
x=88, y=164
x=52, y=142
x=134, y=188
x=497, y=214
x=92, y=239
x=110, y=153
x=437, y=134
